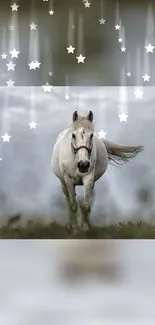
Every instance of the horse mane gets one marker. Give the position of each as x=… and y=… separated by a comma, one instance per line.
x=121, y=154
x=82, y=121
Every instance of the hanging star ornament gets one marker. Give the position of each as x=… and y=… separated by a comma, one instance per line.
x=101, y=134
x=14, y=7
x=129, y=74
x=146, y=77
x=4, y=56
x=51, y=12
x=10, y=83
x=33, y=26
x=32, y=65
x=6, y=137
x=32, y=125
x=37, y=64
x=120, y=40
x=50, y=73
x=123, y=49
x=70, y=49
x=14, y=53
x=11, y=27
x=11, y=66
x=102, y=21
x=117, y=27
x=47, y=87
x=138, y=93
x=149, y=48
x=123, y=117
x=67, y=97
x=87, y=4
x=80, y=58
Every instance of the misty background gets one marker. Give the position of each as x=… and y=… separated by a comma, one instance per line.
x=27, y=183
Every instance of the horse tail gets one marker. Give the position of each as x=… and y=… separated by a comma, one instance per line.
x=121, y=154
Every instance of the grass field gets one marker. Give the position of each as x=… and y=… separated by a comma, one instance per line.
x=54, y=230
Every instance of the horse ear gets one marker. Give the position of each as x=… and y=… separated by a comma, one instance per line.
x=90, y=116
x=75, y=116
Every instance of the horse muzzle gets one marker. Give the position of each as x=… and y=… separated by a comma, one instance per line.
x=83, y=166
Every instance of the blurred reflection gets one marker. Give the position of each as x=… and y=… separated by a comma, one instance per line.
x=93, y=258
x=34, y=290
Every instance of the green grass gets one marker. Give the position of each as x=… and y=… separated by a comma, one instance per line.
x=54, y=230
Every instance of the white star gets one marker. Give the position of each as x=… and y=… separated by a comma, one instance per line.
x=149, y=48
x=146, y=77
x=37, y=64
x=138, y=93
x=120, y=40
x=117, y=27
x=14, y=53
x=101, y=134
x=80, y=58
x=67, y=97
x=11, y=27
x=51, y=12
x=10, y=83
x=87, y=4
x=47, y=87
x=32, y=125
x=14, y=7
x=11, y=66
x=50, y=73
x=6, y=137
x=4, y=56
x=123, y=117
x=70, y=49
x=129, y=74
x=33, y=26
x=102, y=21
x=0, y=159
x=123, y=49
x=32, y=65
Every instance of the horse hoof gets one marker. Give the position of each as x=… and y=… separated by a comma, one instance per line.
x=85, y=227
x=70, y=227
x=75, y=230
x=74, y=207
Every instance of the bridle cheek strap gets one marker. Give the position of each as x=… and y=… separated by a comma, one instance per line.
x=82, y=147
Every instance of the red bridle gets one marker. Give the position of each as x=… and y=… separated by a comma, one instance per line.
x=81, y=147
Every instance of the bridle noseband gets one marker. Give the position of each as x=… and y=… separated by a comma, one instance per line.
x=81, y=147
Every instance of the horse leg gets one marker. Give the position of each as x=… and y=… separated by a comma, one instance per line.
x=65, y=191
x=69, y=191
x=85, y=205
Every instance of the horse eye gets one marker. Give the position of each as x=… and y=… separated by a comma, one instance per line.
x=73, y=135
x=91, y=136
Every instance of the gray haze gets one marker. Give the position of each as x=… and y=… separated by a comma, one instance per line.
x=27, y=184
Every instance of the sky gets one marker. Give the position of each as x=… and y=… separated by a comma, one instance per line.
x=27, y=183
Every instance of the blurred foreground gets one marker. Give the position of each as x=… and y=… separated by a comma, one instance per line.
x=43, y=229
x=77, y=282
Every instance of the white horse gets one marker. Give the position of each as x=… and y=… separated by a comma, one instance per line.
x=80, y=157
